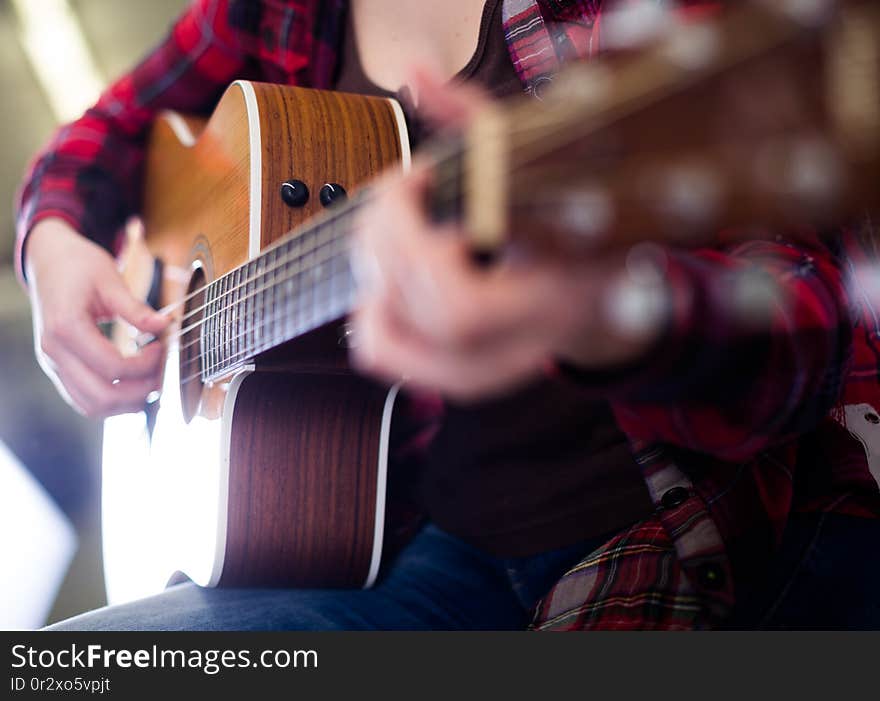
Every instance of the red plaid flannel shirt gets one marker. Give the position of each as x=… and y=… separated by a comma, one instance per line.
x=713, y=419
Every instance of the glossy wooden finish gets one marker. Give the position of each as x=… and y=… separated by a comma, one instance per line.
x=283, y=459
x=320, y=137
x=300, y=446
x=289, y=454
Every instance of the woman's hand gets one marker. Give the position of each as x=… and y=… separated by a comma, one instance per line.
x=73, y=285
x=429, y=314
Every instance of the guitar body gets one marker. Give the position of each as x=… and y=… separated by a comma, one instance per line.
x=267, y=468
x=273, y=475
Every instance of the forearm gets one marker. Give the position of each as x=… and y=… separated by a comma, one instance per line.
x=89, y=174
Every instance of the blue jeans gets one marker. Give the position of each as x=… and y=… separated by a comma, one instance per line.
x=437, y=582
x=826, y=575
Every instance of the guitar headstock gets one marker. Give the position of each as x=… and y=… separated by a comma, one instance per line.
x=764, y=116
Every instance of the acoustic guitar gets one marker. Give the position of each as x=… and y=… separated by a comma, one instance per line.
x=264, y=460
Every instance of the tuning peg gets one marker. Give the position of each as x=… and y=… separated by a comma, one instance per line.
x=295, y=193
x=332, y=193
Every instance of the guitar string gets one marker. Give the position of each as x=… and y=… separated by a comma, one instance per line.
x=299, y=309
x=306, y=309
x=331, y=224
x=302, y=306
x=298, y=255
x=238, y=329
x=317, y=319
x=334, y=235
x=517, y=109
x=221, y=332
x=454, y=151
x=335, y=307
x=294, y=258
x=310, y=227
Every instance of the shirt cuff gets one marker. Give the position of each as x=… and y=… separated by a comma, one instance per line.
x=689, y=352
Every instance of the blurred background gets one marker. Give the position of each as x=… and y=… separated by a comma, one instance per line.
x=54, y=57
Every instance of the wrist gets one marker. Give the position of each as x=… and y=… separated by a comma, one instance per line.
x=43, y=241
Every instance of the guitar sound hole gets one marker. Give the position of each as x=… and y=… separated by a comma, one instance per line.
x=191, y=357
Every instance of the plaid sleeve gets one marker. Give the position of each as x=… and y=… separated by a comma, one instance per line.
x=756, y=351
x=89, y=174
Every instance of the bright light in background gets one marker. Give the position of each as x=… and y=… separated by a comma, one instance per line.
x=37, y=543
x=54, y=44
x=160, y=509
x=161, y=500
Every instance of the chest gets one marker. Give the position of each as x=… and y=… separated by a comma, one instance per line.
x=393, y=36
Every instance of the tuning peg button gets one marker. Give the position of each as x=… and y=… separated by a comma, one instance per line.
x=295, y=193
x=332, y=193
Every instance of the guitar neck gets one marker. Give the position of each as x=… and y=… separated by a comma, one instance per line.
x=298, y=285
x=771, y=123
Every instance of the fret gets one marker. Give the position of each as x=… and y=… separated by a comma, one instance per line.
x=207, y=345
x=293, y=295
x=322, y=283
x=258, y=301
x=249, y=308
x=290, y=291
x=255, y=317
x=209, y=329
x=218, y=327
x=250, y=287
x=232, y=316
x=215, y=324
x=331, y=276
x=268, y=320
x=201, y=333
x=285, y=292
x=241, y=294
x=281, y=295
x=332, y=284
x=306, y=291
x=319, y=278
x=281, y=305
x=277, y=301
x=223, y=334
x=283, y=288
x=260, y=304
x=317, y=284
x=257, y=305
x=314, y=282
x=309, y=281
x=270, y=323
x=324, y=279
x=342, y=280
x=276, y=336
x=229, y=315
x=301, y=287
x=233, y=313
x=224, y=330
x=295, y=288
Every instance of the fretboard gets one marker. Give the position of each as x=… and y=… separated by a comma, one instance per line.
x=287, y=291
x=305, y=280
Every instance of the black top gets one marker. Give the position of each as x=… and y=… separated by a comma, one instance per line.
x=544, y=468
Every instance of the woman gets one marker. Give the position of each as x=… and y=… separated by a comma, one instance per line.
x=656, y=448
